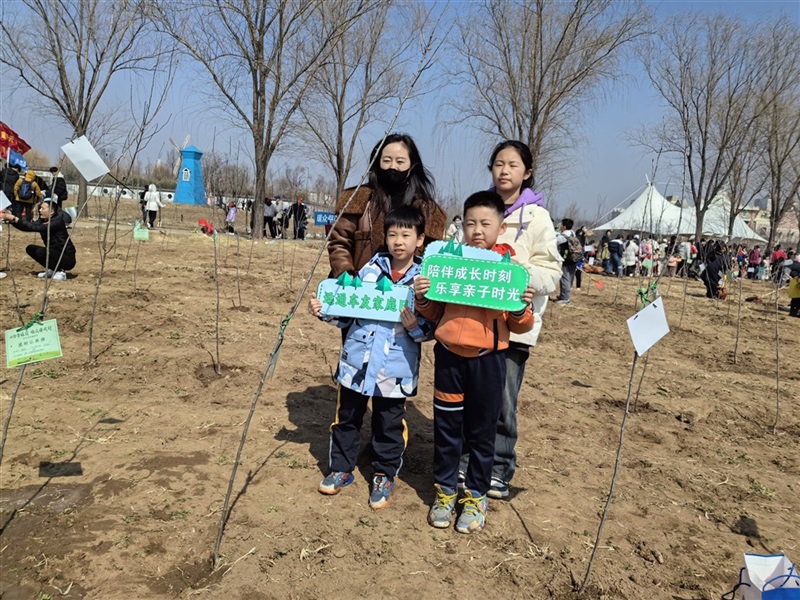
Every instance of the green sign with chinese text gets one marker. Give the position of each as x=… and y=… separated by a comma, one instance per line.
x=495, y=283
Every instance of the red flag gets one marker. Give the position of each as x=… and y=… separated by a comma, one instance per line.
x=10, y=139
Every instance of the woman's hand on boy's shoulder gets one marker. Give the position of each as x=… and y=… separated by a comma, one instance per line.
x=315, y=306
x=421, y=286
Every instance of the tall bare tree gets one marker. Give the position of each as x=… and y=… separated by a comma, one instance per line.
x=707, y=70
x=780, y=121
x=748, y=177
x=531, y=68
x=67, y=52
x=368, y=69
x=261, y=56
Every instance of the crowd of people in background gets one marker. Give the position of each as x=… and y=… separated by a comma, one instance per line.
x=711, y=261
x=279, y=219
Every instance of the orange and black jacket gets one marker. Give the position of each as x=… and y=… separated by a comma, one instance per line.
x=470, y=331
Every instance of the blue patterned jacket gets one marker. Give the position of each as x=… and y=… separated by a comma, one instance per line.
x=380, y=358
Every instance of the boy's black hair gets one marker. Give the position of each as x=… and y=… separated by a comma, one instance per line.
x=568, y=223
x=404, y=216
x=487, y=199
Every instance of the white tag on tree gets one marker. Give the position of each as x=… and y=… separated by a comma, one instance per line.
x=85, y=158
x=648, y=326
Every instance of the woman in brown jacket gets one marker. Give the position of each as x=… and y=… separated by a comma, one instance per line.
x=397, y=177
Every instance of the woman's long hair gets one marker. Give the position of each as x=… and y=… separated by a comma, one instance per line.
x=420, y=181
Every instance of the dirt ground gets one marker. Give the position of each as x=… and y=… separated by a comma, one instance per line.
x=115, y=472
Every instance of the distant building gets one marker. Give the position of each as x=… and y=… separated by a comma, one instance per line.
x=756, y=215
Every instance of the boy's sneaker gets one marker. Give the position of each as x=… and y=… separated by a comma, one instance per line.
x=382, y=488
x=334, y=483
x=473, y=515
x=43, y=274
x=443, y=508
x=498, y=489
x=60, y=276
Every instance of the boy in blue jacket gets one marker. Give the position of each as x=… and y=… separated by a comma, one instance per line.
x=380, y=360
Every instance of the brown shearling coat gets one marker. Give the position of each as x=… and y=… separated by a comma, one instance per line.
x=342, y=242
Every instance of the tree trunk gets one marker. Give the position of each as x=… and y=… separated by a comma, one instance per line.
x=261, y=163
x=771, y=238
x=731, y=222
x=698, y=228
x=83, y=205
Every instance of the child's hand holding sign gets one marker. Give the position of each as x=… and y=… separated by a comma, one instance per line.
x=527, y=296
x=409, y=319
x=421, y=285
x=315, y=306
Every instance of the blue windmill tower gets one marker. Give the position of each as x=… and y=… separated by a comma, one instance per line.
x=190, y=188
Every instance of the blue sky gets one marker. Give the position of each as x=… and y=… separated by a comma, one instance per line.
x=607, y=166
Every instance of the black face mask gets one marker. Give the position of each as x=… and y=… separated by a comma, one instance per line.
x=392, y=180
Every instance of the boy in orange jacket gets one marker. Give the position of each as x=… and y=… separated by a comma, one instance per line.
x=469, y=373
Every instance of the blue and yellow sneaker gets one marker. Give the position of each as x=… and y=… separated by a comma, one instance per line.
x=473, y=515
x=382, y=488
x=334, y=483
x=443, y=508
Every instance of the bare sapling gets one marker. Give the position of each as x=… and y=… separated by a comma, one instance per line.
x=613, y=478
x=641, y=379
x=738, y=320
x=685, y=287
x=777, y=362
x=291, y=269
x=106, y=245
x=217, y=368
x=250, y=258
x=146, y=128
x=238, y=277
x=11, y=411
x=10, y=273
x=135, y=263
x=127, y=253
x=227, y=245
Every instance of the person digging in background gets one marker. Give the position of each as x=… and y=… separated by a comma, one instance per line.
x=52, y=226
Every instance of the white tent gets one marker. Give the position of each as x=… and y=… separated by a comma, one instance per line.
x=652, y=213
x=715, y=222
